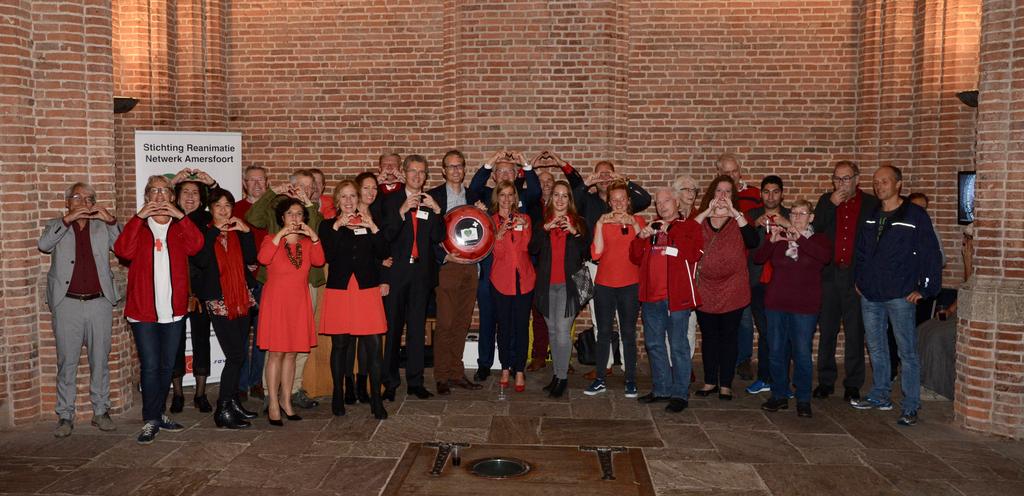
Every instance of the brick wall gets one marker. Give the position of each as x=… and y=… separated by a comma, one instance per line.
x=57, y=129
x=658, y=87
x=990, y=344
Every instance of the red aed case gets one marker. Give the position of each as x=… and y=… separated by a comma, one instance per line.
x=469, y=233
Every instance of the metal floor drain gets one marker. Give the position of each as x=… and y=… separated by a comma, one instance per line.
x=499, y=467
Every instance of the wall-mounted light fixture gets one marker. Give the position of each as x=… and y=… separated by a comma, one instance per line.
x=123, y=104
x=969, y=98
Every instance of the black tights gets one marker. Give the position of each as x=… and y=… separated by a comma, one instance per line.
x=342, y=356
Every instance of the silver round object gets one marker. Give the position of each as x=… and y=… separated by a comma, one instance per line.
x=499, y=467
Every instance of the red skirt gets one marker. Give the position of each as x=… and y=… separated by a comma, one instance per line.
x=353, y=311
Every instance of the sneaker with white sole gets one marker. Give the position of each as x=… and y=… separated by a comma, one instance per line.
x=871, y=403
x=908, y=419
x=148, y=433
x=759, y=386
x=631, y=390
x=169, y=425
x=597, y=387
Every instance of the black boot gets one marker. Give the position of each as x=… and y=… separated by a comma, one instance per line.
x=226, y=418
x=240, y=411
x=350, y=390
x=551, y=385
x=362, y=393
x=338, y=399
x=202, y=404
x=377, y=408
x=558, y=389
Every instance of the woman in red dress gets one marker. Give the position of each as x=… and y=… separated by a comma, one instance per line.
x=352, y=305
x=286, y=309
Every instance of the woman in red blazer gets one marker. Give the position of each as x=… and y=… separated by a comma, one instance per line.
x=513, y=277
x=155, y=245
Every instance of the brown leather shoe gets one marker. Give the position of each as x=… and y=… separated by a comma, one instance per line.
x=443, y=389
x=535, y=365
x=593, y=374
x=257, y=392
x=464, y=383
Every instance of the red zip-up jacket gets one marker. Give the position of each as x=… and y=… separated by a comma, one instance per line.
x=685, y=236
x=135, y=249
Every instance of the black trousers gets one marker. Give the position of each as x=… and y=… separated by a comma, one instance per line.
x=718, y=340
x=840, y=304
x=343, y=348
x=199, y=325
x=232, y=335
x=406, y=309
x=513, y=330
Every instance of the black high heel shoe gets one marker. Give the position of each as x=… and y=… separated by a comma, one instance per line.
x=703, y=393
x=289, y=417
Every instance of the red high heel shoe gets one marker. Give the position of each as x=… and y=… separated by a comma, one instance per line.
x=520, y=388
x=503, y=382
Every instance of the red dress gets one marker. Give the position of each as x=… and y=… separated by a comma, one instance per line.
x=354, y=311
x=286, y=309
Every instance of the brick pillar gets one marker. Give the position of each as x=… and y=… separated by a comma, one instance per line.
x=990, y=341
x=56, y=61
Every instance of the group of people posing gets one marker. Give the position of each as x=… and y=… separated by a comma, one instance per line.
x=730, y=252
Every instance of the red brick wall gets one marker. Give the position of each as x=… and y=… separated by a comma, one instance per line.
x=658, y=87
x=990, y=344
x=57, y=129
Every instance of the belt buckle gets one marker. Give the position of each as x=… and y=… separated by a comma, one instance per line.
x=413, y=260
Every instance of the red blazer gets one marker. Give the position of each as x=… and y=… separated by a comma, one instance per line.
x=511, y=255
x=686, y=236
x=135, y=249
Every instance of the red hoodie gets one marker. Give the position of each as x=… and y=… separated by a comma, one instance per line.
x=687, y=238
x=135, y=249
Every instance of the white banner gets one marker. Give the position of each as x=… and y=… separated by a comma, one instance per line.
x=167, y=152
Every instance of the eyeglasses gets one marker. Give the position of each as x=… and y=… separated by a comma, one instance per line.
x=799, y=214
x=691, y=190
x=162, y=191
x=85, y=198
x=844, y=179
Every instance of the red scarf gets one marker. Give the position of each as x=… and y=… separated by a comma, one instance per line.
x=232, y=275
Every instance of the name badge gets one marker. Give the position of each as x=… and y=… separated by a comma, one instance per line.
x=422, y=214
x=360, y=231
x=520, y=204
x=671, y=251
x=519, y=228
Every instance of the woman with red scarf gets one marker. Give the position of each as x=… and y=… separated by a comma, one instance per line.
x=225, y=291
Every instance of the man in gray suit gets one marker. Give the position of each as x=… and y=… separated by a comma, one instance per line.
x=81, y=294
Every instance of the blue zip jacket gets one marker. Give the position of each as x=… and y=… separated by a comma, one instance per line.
x=899, y=256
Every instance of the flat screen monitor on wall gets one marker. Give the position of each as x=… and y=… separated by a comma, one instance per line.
x=965, y=197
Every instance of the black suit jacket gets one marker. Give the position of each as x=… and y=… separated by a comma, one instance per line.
x=398, y=232
x=577, y=251
x=347, y=252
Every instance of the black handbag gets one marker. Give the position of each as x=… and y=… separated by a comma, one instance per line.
x=586, y=344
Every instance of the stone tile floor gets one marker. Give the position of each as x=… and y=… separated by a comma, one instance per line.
x=714, y=447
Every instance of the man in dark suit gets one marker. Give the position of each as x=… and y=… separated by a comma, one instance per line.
x=503, y=166
x=838, y=214
x=456, y=287
x=413, y=226
x=81, y=293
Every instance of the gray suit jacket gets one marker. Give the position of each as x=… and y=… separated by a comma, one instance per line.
x=59, y=241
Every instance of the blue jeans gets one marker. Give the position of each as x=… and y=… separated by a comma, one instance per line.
x=485, y=300
x=791, y=334
x=513, y=330
x=672, y=380
x=157, y=345
x=252, y=363
x=901, y=313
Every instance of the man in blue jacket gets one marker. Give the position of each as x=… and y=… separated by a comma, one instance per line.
x=897, y=263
